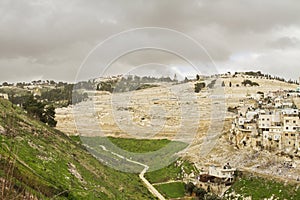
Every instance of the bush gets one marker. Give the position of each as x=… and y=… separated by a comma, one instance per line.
x=189, y=188
x=248, y=82
x=199, y=87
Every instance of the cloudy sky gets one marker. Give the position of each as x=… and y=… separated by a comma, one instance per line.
x=50, y=39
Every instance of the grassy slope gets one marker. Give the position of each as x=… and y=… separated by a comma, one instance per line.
x=172, y=190
x=174, y=171
x=260, y=188
x=43, y=157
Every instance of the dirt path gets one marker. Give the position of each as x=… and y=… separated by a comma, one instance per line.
x=162, y=183
x=149, y=186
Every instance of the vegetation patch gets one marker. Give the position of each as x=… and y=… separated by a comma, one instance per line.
x=174, y=171
x=159, y=153
x=249, y=82
x=139, y=145
x=172, y=190
x=199, y=86
x=261, y=188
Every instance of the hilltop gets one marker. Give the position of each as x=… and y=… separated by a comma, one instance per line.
x=39, y=162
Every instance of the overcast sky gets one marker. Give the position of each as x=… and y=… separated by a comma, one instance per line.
x=49, y=39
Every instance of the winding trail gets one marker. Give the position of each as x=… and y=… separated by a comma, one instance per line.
x=149, y=186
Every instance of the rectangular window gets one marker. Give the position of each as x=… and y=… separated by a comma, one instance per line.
x=287, y=121
x=286, y=134
x=293, y=135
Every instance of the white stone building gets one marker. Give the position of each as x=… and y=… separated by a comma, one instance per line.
x=226, y=172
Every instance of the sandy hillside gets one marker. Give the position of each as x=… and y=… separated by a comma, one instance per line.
x=176, y=112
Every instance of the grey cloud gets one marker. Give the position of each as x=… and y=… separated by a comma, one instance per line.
x=50, y=39
x=285, y=42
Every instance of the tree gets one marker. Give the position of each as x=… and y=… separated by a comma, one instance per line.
x=186, y=80
x=175, y=78
x=200, y=192
x=199, y=87
x=5, y=84
x=208, y=188
x=52, y=82
x=249, y=82
x=48, y=116
x=40, y=111
x=189, y=188
x=212, y=197
x=33, y=107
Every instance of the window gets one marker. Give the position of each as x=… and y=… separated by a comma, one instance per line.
x=294, y=122
x=263, y=119
x=268, y=119
x=287, y=128
x=287, y=121
x=286, y=134
x=293, y=135
x=294, y=128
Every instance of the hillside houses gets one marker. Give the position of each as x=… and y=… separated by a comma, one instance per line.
x=272, y=125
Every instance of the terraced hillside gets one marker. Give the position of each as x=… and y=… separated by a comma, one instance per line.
x=38, y=162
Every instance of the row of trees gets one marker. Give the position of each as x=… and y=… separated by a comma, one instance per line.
x=259, y=74
x=244, y=83
x=38, y=82
x=131, y=83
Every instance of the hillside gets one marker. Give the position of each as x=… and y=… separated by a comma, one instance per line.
x=38, y=162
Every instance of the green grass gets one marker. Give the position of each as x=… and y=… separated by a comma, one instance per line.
x=154, y=153
x=139, y=145
x=42, y=157
x=171, y=172
x=260, y=188
x=171, y=190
